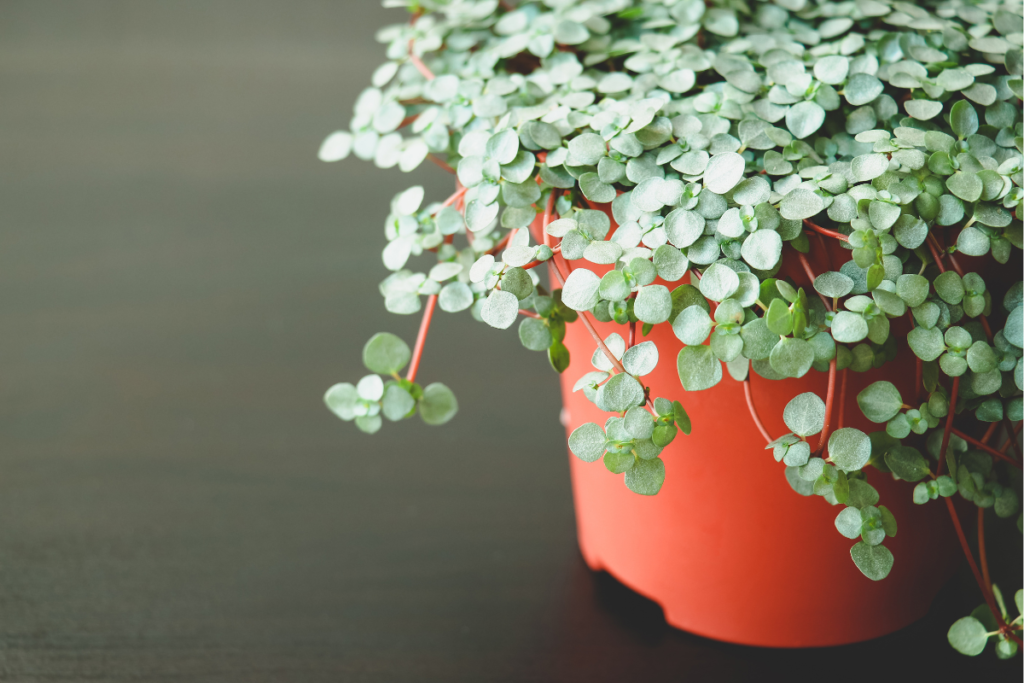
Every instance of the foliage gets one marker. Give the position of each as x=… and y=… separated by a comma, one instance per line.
x=721, y=137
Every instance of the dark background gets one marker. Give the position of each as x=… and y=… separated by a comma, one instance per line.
x=180, y=280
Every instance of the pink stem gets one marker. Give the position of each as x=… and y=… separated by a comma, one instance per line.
x=421, y=338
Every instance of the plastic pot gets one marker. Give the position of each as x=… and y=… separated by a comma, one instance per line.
x=726, y=547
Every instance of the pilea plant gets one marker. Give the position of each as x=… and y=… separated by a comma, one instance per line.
x=724, y=138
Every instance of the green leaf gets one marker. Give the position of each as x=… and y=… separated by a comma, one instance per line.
x=798, y=483
x=438, y=404
x=397, y=403
x=862, y=494
x=640, y=359
x=719, y=282
x=670, y=263
x=558, y=356
x=680, y=417
x=778, y=317
x=613, y=286
x=595, y=190
x=692, y=326
x=880, y=401
x=587, y=149
x=762, y=249
x=723, y=172
x=792, y=357
x=620, y=393
x=849, y=523
x=751, y=191
x=534, y=334
x=869, y=166
x=966, y=186
x=849, y=327
x=800, y=204
x=370, y=388
x=370, y=424
x=949, y=287
x=973, y=241
x=910, y=231
x=386, y=354
x=907, y=463
x=698, y=368
x=872, y=532
x=874, y=561
x=580, y=291
x=849, y=449
x=913, y=289
x=926, y=343
x=664, y=435
x=921, y=494
x=967, y=635
x=587, y=442
x=888, y=521
x=758, y=340
x=342, y=400
x=653, y=304
x=923, y=109
x=503, y=146
x=833, y=284
x=646, y=477
x=805, y=118
x=805, y=414
x=862, y=88
x=981, y=358
x=500, y=309
x=638, y=423
x=617, y=463
x=883, y=214
x=684, y=227
x=963, y=119
x=517, y=281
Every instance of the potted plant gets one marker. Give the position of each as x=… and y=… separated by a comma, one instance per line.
x=733, y=226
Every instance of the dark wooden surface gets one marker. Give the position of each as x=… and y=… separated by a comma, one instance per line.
x=180, y=280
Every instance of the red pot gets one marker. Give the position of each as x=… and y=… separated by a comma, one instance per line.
x=726, y=547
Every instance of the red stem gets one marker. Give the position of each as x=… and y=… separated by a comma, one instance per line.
x=935, y=255
x=1011, y=437
x=600, y=342
x=421, y=338
x=981, y=551
x=829, y=233
x=828, y=406
x=810, y=274
x=988, y=449
x=949, y=428
x=989, y=432
x=529, y=314
x=989, y=598
x=942, y=250
x=936, y=249
x=502, y=242
x=632, y=335
x=420, y=66
x=842, y=399
x=441, y=163
x=753, y=411
x=918, y=378
x=821, y=241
